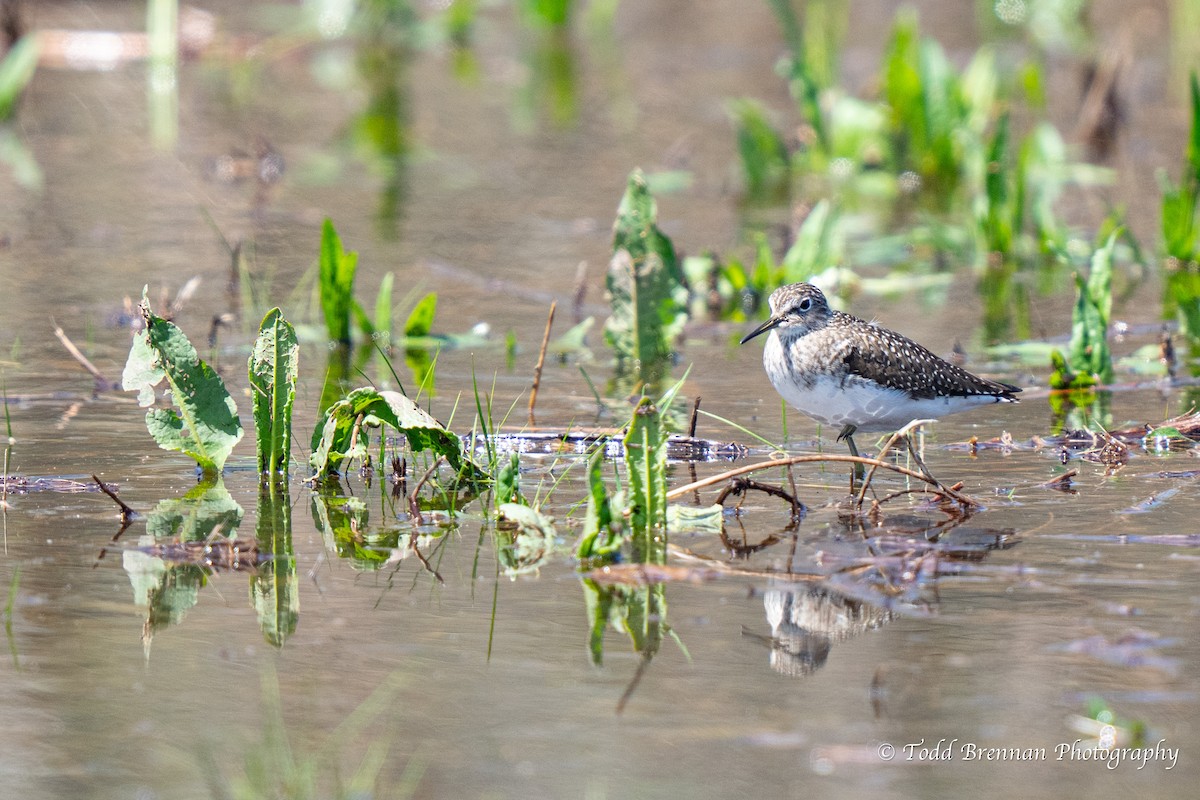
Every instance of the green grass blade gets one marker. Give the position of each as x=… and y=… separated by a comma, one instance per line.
x=337, y=268
x=16, y=70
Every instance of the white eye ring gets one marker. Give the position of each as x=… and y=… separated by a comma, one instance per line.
x=805, y=304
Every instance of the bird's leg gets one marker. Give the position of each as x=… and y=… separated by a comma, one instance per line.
x=860, y=472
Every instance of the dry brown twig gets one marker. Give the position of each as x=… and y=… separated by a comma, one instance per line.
x=414, y=505
x=816, y=459
x=541, y=362
x=102, y=383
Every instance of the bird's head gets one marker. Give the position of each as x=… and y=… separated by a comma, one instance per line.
x=796, y=309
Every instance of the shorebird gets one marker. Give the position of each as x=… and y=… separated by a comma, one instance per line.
x=842, y=370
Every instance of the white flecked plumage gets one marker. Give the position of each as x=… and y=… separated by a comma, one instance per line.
x=842, y=370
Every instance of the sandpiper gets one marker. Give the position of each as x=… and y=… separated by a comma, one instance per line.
x=842, y=370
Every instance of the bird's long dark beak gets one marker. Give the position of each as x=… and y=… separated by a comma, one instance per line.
x=761, y=329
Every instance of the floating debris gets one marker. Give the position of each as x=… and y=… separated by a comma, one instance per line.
x=23, y=484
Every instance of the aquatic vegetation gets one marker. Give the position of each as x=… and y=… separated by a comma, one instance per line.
x=646, y=289
x=337, y=269
x=277, y=767
x=344, y=432
x=766, y=163
x=1089, y=351
x=186, y=539
x=1181, y=233
x=273, y=368
x=603, y=528
x=16, y=70
x=553, y=13
x=734, y=290
x=274, y=589
x=646, y=469
x=525, y=538
x=204, y=423
x=8, y=613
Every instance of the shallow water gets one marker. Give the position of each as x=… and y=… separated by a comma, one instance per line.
x=1027, y=609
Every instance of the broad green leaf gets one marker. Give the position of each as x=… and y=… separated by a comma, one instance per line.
x=343, y=433
x=168, y=590
x=574, y=339
x=273, y=368
x=645, y=286
x=205, y=425
x=207, y=509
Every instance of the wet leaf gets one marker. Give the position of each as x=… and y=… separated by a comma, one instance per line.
x=693, y=519
x=343, y=432
x=204, y=423
x=645, y=286
x=274, y=367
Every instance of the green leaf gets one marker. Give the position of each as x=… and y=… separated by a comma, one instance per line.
x=602, y=529
x=337, y=268
x=274, y=589
x=343, y=433
x=343, y=523
x=508, y=481
x=1088, y=351
x=205, y=425
x=693, y=519
x=207, y=509
x=383, y=309
x=766, y=164
x=16, y=70
x=420, y=319
x=527, y=538
x=646, y=288
x=646, y=464
x=273, y=367
x=818, y=245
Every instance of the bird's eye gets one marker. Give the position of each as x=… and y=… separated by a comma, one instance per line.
x=805, y=304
